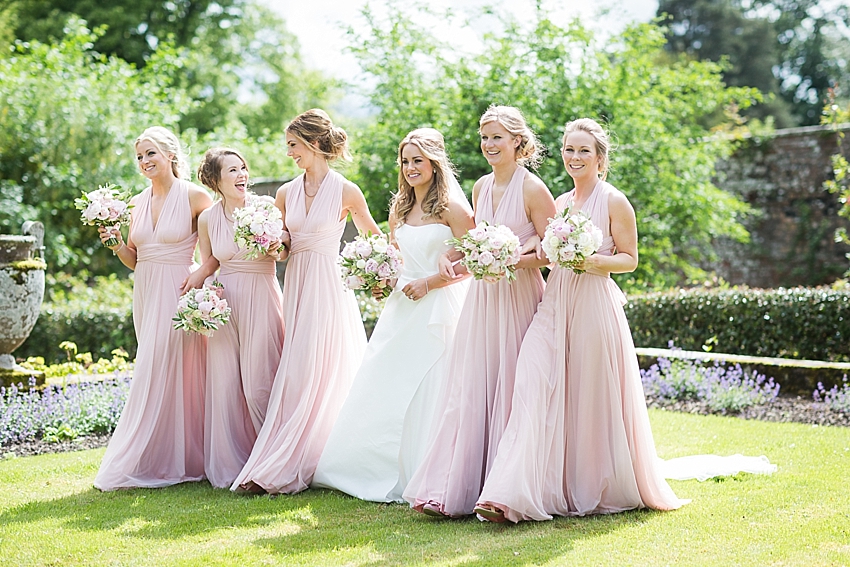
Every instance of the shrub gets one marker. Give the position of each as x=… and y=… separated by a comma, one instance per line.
x=723, y=389
x=803, y=323
x=98, y=317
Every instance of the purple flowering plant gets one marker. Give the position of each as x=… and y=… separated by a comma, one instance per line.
x=835, y=398
x=61, y=412
x=722, y=388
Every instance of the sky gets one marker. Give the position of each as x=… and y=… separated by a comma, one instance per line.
x=319, y=25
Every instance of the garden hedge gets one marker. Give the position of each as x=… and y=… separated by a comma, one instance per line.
x=803, y=323
x=95, y=314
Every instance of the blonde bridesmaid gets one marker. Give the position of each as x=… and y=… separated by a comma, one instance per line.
x=578, y=440
x=324, y=338
x=476, y=404
x=244, y=354
x=159, y=439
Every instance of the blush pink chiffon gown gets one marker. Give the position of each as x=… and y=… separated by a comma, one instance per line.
x=243, y=355
x=323, y=346
x=476, y=401
x=159, y=438
x=578, y=440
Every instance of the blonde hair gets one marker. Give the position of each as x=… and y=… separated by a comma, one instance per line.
x=529, y=153
x=603, y=142
x=316, y=126
x=168, y=143
x=432, y=145
x=209, y=170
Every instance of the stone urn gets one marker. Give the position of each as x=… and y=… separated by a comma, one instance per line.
x=21, y=292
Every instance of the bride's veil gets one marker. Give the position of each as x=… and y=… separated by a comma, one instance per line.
x=457, y=194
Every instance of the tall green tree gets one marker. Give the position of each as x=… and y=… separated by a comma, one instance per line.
x=238, y=59
x=654, y=109
x=791, y=50
x=68, y=121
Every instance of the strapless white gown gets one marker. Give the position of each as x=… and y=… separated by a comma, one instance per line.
x=380, y=436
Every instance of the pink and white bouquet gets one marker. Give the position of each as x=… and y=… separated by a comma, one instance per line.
x=202, y=310
x=257, y=225
x=490, y=251
x=368, y=261
x=570, y=238
x=106, y=206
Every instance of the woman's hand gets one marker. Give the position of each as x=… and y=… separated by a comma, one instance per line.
x=275, y=248
x=194, y=281
x=447, y=269
x=532, y=244
x=417, y=289
x=592, y=261
x=110, y=232
x=379, y=291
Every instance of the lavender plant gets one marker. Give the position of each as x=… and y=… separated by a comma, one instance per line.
x=722, y=388
x=61, y=412
x=835, y=398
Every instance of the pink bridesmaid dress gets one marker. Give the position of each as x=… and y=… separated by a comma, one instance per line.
x=323, y=345
x=476, y=401
x=159, y=439
x=578, y=440
x=243, y=355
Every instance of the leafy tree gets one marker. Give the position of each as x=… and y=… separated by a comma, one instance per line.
x=792, y=50
x=665, y=160
x=835, y=117
x=238, y=59
x=68, y=123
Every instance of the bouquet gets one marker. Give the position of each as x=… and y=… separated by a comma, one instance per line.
x=490, y=252
x=570, y=238
x=368, y=261
x=202, y=310
x=257, y=225
x=106, y=206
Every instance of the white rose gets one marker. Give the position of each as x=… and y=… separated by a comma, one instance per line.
x=485, y=258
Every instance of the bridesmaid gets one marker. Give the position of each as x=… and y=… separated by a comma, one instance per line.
x=324, y=338
x=382, y=430
x=244, y=354
x=480, y=372
x=579, y=441
x=159, y=439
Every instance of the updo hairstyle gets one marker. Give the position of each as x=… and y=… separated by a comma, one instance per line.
x=209, y=170
x=529, y=153
x=316, y=126
x=168, y=144
x=603, y=142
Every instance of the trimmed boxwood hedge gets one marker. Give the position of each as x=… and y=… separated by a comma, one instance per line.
x=803, y=323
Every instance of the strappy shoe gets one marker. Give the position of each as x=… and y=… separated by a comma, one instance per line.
x=432, y=509
x=490, y=513
x=250, y=488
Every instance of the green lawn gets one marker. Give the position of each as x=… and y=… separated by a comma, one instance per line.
x=50, y=515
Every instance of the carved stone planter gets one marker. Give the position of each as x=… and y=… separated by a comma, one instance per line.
x=21, y=294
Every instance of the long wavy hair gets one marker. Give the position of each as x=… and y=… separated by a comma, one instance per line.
x=430, y=142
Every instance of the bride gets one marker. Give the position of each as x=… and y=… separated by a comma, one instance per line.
x=380, y=436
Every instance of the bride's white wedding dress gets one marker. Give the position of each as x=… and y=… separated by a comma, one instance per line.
x=381, y=434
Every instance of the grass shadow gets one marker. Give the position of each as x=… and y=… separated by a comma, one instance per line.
x=317, y=524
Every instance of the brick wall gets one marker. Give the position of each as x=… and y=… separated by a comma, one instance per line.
x=792, y=234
